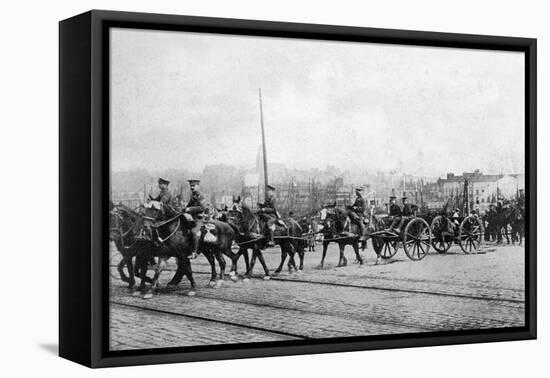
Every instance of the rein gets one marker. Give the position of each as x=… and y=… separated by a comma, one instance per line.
x=162, y=223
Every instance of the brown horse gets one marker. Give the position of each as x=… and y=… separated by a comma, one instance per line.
x=214, y=238
x=248, y=235
x=338, y=228
x=166, y=234
x=124, y=224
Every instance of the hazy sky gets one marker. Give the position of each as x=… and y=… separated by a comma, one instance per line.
x=185, y=100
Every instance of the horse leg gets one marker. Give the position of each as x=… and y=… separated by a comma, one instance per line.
x=212, y=263
x=130, y=268
x=301, y=253
x=120, y=268
x=291, y=262
x=283, y=258
x=342, y=261
x=244, y=252
x=322, y=263
x=158, y=270
x=180, y=272
x=357, y=255
x=186, y=267
x=221, y=263
x=140, y=271
x=267, y=276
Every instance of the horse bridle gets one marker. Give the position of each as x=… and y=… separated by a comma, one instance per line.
x=119, y=229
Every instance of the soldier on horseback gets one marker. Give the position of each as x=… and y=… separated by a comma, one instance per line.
x=164, y=195
x=197, y=203
x=357, y=211
x=269, y=214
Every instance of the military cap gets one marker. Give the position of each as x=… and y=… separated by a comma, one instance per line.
x=270, y=187
x=163, y=181
x=194, y=181
x=358, y=189
x=392, y=197
x=290, y=213
x=236, y=199
x=404, y=198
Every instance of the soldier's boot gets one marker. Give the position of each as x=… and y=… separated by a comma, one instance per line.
x=400, y=225
x=362, y=236
x=270, y=239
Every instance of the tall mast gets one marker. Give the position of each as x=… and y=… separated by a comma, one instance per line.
x=263, y=142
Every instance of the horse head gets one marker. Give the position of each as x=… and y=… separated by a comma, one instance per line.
x=151, y=212
x=115, y=224
x=331, y=219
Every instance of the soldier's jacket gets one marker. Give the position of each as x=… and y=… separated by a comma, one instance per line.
x=407, y=210
x=395, y=210
x=359, y=205
x=269, y=204
x=197, y=203
x=164, y=196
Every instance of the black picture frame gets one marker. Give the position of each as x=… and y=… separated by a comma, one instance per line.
x=83, y=182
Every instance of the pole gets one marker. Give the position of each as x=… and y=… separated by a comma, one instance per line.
x=266, y=182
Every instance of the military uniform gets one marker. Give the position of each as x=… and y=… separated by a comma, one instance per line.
x=268, y=207
x=164, y=196
x=357, y=212
x=395, y=210
x=396, y=213
x=270, y=215
x=407, y=210
x=197, y=204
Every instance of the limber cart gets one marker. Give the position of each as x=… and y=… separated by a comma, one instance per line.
x=467, y=232
x=415, y=237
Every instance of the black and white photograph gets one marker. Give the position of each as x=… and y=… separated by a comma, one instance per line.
x=269, y=189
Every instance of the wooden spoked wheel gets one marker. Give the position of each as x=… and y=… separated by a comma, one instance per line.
x=389, y=248
x=417, y=239
x=441, y=240
x=470, y=234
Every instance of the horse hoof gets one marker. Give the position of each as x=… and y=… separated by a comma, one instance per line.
x=300, y=271
x=267, y=278
x=234, y=278
x=136, y=293
x=212, y=283
x=148, y=296
x=191, y=293
x=219, y=283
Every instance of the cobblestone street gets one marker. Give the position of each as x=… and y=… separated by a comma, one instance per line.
x=453, y=291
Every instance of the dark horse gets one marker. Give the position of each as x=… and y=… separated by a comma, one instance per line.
x=166, y=234
x=517, y=223
x=499, y=223
x=249, y=235
x=124, y=224
x=338, y=228
x=214, y=238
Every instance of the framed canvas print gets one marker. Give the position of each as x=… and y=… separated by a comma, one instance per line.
x=234, y=188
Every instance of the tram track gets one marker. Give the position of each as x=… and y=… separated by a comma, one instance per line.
x=389, y=289
x=383, y=288
x=203, y=318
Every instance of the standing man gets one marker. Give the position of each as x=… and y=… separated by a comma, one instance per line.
x=357, y=213
x=197, y=203
x=164, y=195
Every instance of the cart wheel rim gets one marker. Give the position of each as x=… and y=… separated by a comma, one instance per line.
x=417, y=239
x=469, y=236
